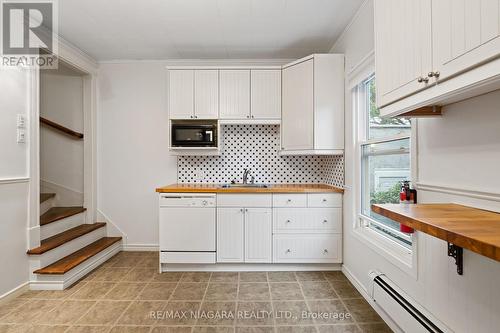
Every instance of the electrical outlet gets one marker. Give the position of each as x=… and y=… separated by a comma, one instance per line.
x=21, y=121
x=21, y=136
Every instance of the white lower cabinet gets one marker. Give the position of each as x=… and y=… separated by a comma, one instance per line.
x=258, y=235
x=305, y=248
x=230, y=234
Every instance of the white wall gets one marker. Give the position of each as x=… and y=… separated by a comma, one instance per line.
x=461, y=150
x=133, y=156
x=61, y=157
x=14, y=87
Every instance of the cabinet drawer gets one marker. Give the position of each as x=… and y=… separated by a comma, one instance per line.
x=308, y=248
x=307, y=219
x=324, y=200
x=290, y=200
x=244, y=200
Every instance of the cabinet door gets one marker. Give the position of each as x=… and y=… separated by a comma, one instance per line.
x=265, y=94
x=402, y=48
x=465, y=34
x=230, y=234
x=297, y=116
x=234, y=90
x=206, y=94
x=258, y=235
x=181, y=94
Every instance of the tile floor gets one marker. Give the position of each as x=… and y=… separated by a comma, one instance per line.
x=126, y=294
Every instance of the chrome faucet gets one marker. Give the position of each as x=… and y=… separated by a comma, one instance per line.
x=246, y=172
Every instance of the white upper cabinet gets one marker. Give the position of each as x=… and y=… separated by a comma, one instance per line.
x=464, y=34
x=234, y=90
x=265, y=94
x=181, y=94
x=404, y=59
x=313, y=106
x=435, y=52
x=206, y=93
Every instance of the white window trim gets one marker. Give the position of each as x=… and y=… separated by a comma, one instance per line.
x=398, y=255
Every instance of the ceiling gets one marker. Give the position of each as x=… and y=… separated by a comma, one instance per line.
x=203, y=29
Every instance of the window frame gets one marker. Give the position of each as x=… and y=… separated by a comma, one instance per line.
x=402, y=257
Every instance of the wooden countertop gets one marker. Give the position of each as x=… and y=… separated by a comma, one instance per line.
x=273, y=188
x=470, y=228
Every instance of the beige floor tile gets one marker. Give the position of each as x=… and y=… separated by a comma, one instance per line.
x=149, y=262
x=295, y=329
x=30, y=311
x=190, y=291
x=30, y=294
x=11, y=305
x=290, y=313
x=310, y=276
x=172, y=329
x=217, y=314
x=139, y=274
x=281, y=277
x=67, y=313
x=130, y=329
x=224, y=277
x=125, y=291
x=221, y=291
x=255, y=329
x=131, y=261
x=167, y=277
x=340, y=328
x=286, y=291
x=253, y=277
x=375, y=328
x=111, y=274
x=157, y=291
x=254, y=314
x=254, y=291
x=344, y=289
x=104, y=313
x=93, y=290
x=317, y=290
x=141, y=313
x=178, y=313
x=27, y=328
x=335, y=275
x=48, y=329
x=362, y=311
x=213, y=329
x=88, y=329
x=330, y=312
x=196, y=277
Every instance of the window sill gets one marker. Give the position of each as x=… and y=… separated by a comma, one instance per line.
x=402, y=258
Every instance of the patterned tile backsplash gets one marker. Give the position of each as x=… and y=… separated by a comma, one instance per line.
x=256, y=147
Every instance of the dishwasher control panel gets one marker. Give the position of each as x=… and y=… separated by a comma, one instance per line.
x=186, y=200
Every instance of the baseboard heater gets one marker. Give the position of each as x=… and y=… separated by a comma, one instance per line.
x=410, y=317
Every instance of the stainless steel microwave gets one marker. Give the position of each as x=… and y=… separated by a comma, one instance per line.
x=194, y=134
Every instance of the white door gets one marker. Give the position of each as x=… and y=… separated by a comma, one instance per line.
x=181, y=94
x=297, y=115
x=265, y=99
x=403, y=52
x=465, y=34
x=258, y=235
x=234, y=92
x=206, y=93
x=230, y=234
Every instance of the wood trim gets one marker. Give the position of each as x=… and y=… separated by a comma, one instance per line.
x=425, y=111
x=273, y=188
x=61, y=128
x=470, y=228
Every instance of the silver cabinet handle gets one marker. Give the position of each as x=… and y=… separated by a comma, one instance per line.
x=434, y=74
x=288, y=251
x=423, y=79
x=289, y=200
x=242, y=210
x=248, y=116
x=288, y=221
x=325, y=251
x=325, y=221
x=324, y=200
x=252, y=116
x=246, y=210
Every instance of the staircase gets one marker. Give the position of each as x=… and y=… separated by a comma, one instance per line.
x=69, y=248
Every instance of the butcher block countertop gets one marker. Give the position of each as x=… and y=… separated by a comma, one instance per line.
x=272, y=188
x=470, y=228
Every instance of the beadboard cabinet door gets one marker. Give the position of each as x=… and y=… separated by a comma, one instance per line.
x=297, y=132
x=181, y=94
x=403, y=48
x=206, y=93
x=466, y=33
x=230, y=234
x=258, y=235
x=265, y=92
x=234, y=93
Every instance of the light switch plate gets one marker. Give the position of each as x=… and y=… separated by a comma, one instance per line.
x=21, y=121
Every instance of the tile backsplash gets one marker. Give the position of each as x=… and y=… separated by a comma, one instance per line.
x=256, y=147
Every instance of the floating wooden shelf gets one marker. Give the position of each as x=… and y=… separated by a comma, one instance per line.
x=61, y=128
x=461, y=226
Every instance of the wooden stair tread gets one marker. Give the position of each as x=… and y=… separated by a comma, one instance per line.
x=59, y=213
x=76, y=258
x=65, y=236
x=46, y=196
x=61, y=128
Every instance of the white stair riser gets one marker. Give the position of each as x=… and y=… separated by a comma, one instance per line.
x=59, y=282
x=57, y=227
x=46, y=205
x=40, y=261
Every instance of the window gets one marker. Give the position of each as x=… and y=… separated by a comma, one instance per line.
x=385, y=162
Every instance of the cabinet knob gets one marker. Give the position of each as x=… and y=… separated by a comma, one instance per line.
x=325, y=221
x=289, y=200
x=325, y=251
x=252, y=117
x=423, y=79
x=241, y=210
x=248, y=116
x=246, y=210
x=288, y=221
x=434, y=74
x=191, y=117
x=324, y=200
x=288, y=251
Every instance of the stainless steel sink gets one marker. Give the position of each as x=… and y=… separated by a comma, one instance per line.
x=245, y=185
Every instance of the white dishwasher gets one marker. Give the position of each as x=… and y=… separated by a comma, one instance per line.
x=187, y=228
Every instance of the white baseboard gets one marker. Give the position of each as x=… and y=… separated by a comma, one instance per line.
x=11, y=294
x=141, y=247
x=248, y=267
x=111, y=227
x=361, y=289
